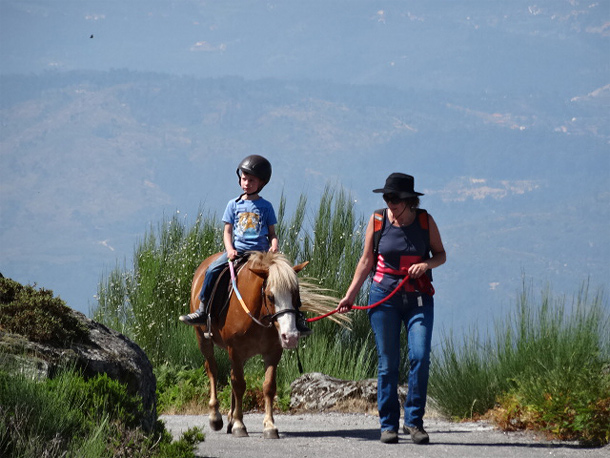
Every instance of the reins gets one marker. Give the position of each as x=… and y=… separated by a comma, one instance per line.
x=364, y=307
x=309, y=320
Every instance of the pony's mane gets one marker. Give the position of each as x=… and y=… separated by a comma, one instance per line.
x=281, y=274
x=314, y=299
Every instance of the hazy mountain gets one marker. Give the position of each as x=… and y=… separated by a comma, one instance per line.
x=114, y=114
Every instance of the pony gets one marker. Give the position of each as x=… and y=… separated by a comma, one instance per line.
x=270, y=290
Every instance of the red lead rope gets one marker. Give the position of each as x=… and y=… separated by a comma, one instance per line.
x=363, y=307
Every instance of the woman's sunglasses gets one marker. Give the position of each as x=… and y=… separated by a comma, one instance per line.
x=392, y=199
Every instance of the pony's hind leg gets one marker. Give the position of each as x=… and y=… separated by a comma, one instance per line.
x=238, y=388
x=207, y=349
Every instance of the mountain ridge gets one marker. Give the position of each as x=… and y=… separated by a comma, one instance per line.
x=133, y=146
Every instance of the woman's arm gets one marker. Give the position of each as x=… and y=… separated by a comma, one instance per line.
x=365, y=264
x=436, y=247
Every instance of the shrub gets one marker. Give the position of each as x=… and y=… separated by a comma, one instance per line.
x=71, y=417
x=180, y=390
x=572, y=405
x=37, y=315
x=545, y=370
x=99, y=396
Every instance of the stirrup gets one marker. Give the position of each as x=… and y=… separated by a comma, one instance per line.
x=208, y=334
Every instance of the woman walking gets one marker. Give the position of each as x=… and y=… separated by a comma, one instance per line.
x=401, y=240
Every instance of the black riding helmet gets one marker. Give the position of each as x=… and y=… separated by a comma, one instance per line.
x=256, y=165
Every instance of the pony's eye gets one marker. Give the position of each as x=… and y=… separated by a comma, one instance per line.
x=271, y=298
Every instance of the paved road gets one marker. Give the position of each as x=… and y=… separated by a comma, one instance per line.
x=357, y=435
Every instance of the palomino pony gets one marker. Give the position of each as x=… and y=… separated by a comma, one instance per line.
x=270, y=289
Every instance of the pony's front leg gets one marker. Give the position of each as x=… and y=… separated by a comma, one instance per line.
x=238, y=388
x=269, y=391
x=215, y=416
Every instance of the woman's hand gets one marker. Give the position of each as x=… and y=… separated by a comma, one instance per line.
x=417, y=270
x=345, y=305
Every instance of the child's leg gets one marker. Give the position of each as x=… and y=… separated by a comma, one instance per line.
x=211, y=275
x=199, y=316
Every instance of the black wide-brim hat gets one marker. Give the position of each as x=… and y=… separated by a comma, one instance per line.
x=400, y=184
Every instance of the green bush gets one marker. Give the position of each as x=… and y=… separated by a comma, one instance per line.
x=545, y=369
x=572, y=406
x=37, y=315
x=35, y=419
x=98, y=397
x=179, y=388
x=71, y=417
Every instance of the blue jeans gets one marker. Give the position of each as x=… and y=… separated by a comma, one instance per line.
x=211, y=275
x=386, y=321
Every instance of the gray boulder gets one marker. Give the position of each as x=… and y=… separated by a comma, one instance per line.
x=104, y=351
x=318, y=392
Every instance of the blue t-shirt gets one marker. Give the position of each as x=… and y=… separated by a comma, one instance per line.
x=251, y=220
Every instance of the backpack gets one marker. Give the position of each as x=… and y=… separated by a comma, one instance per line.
x=379, y=217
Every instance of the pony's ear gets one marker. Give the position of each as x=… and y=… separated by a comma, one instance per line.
x=263, y=273
x=300, y=267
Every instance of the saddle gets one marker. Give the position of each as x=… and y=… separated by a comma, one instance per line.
x=221, y=291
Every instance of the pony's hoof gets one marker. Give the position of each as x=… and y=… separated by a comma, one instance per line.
x=239, y=432
x=271, y=433
x=216, y=425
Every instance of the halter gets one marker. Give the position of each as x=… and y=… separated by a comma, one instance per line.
x=271, y=317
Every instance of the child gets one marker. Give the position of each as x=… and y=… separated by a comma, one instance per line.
x=249, y=225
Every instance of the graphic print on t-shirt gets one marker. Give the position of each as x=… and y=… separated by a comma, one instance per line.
x=248, y=225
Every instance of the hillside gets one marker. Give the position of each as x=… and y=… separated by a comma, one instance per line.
x=91, y=159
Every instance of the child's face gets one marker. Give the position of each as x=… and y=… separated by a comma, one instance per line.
x=249, y=183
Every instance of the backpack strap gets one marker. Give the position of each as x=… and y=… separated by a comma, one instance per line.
x=422, y=216
x=378, y=225
x=424, y=223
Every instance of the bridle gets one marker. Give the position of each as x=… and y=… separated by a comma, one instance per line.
x=271, y=317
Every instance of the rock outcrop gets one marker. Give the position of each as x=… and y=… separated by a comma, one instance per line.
x=318, y=392
x=103, y=351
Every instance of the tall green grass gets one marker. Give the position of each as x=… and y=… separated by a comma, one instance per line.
x=144, y=301
x=547, y=365
x=70, y=417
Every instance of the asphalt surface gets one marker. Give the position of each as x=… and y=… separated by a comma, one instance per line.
x=339, y=435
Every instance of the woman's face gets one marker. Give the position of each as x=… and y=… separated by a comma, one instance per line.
x=394, y=202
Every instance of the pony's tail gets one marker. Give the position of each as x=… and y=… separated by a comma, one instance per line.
x=319, y=301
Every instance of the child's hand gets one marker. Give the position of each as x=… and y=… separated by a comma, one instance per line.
x=232, y=254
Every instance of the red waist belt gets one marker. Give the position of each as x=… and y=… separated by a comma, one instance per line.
x=422, y=284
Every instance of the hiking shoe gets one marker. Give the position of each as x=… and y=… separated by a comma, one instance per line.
x=302, y=327
x=389, y=437
x=194, y=319
x=418, y=434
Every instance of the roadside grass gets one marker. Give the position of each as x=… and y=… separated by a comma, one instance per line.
x=69, y=417
x=544, y=367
